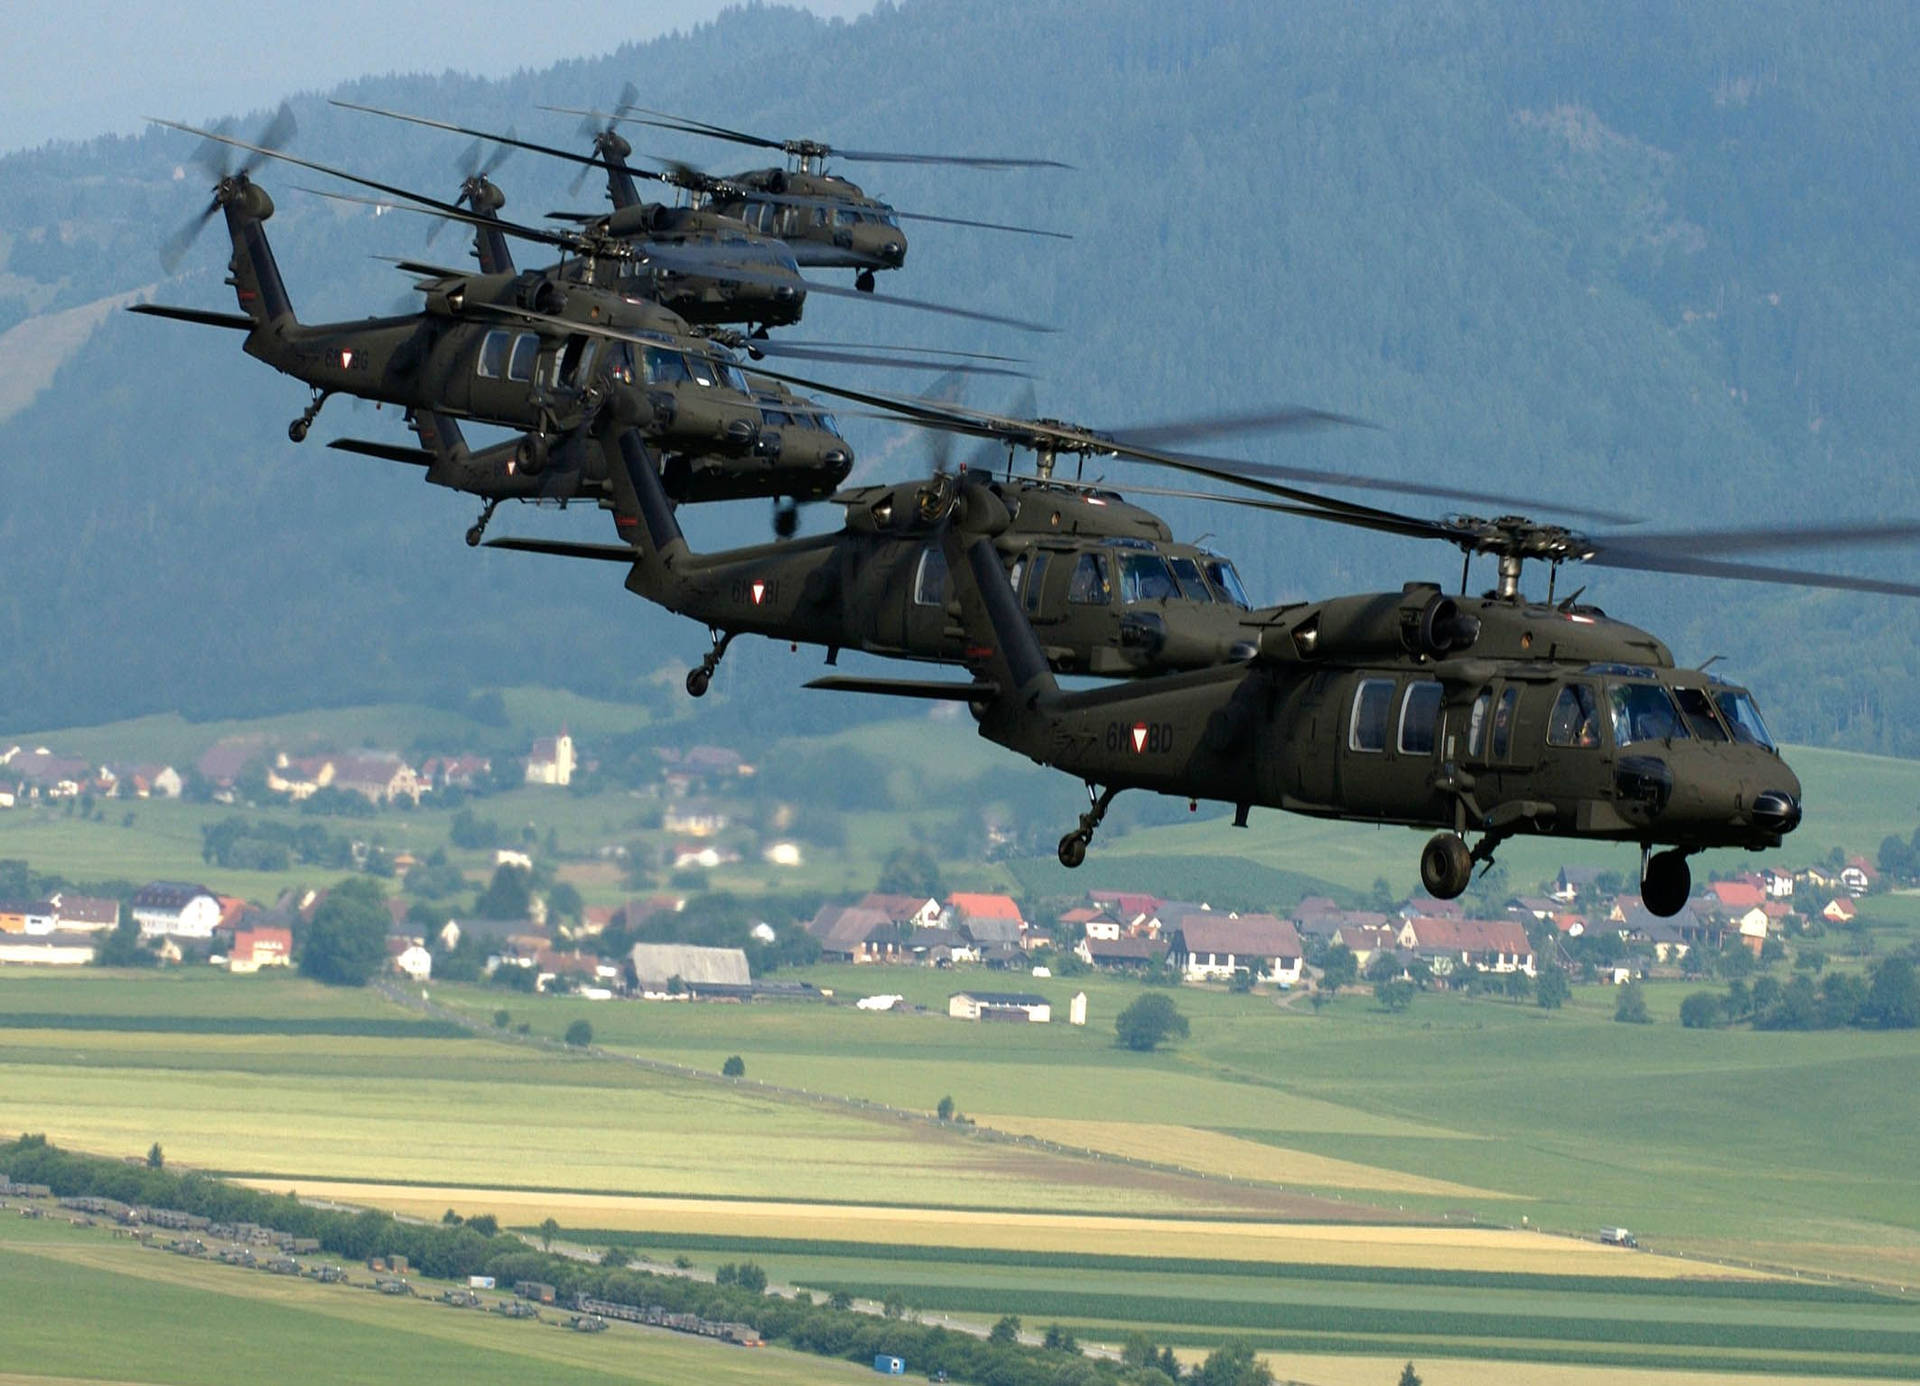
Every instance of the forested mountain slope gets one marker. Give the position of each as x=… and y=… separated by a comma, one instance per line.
x=1652, y=256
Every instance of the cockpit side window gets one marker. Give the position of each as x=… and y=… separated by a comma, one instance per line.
x=1477, y=725
x=1576, y=718
x=1643, y=712
x=1037, y=582
x=1144, y=577
x=576, y=361
x=1503, y=717
x=930, y=582
x=1697, y=708
x=493, y=354
x=1738, y=708
x=1091, y=586
x=1221, y=574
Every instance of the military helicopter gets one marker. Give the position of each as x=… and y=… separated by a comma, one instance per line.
x=825, y=219
x=705, y=261
x=1497, y=715
x=1101, y=579
x=513, y=349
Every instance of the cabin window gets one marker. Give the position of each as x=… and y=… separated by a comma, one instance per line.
x=930, y=582
x=1016, y=573
x=1697, y=708
x=1372, y=706
x=1576, y=718
x=1192, y=586
x=1503, y=717
x=1091, y=586
x=1227, y=582
x=1477, y=725
x=1145, y=577
x=1643, y=712
x=1419, y=718
x=1741, y=714
x=526, y=351
x=1036, y=582
x=493, y=354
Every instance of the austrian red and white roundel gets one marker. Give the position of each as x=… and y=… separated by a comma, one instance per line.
x=759, y=591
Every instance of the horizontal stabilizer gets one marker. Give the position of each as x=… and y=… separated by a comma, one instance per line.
x=386, y=452
x=943, y=689
x=240, y=322
x=562, y=548
x=421, y=267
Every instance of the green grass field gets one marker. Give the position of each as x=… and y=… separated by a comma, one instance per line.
x=146, y=1317
x=1782, y=1150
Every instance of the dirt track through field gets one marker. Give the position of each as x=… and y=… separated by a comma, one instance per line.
x=1342, y=1244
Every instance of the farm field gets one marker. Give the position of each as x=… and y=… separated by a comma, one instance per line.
x=1353, y=1181
x=223, y=1324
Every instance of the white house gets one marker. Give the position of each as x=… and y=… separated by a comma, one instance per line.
x=174, y=909
x=1209, y=946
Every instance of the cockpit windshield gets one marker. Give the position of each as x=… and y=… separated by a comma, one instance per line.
x=1192, y=586
x=1227, y=582
x=1737, y=706
x=1644, y=712
x=665, y=367
x=1697, y=708
x=1144, y=577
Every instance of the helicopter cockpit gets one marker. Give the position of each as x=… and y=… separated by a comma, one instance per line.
x=1640, y=708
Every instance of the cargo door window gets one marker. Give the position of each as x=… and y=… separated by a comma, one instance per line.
x=1037, y=582
x=1372, y=709
x=930, y=582
x=526, y=350
x=1503, y=719
x=493, y=354
x=1419, y=718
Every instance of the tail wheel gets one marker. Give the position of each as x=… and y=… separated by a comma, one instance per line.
x=1446, y=866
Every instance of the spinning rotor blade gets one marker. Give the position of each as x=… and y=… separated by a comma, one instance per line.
x=445, y=210
x=211, y=155
x=795, y=352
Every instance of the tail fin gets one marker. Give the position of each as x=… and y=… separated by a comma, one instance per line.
x=1001, y=646
x=252, y=271
x=643, y=516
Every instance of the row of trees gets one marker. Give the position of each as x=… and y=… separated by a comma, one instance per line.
x=455, y=1249
x=1887, y=998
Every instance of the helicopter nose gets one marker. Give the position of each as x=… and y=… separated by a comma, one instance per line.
x=1776, y=811
x=893, y=252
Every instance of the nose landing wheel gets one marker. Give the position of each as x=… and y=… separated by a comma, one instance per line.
x=864, y=283
x=1665, y=882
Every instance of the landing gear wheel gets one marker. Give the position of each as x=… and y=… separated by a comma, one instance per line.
x=1665, y=883
x=865, y=282
x=478, y=529
x=297, y=430
x=786, y=520
x=1446, y=866
x=698, y=680
x=473, y=536
x=1073, y=850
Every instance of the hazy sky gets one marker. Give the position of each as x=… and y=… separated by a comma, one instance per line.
x=80, y=68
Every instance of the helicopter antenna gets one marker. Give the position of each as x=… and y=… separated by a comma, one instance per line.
x=1709, y=661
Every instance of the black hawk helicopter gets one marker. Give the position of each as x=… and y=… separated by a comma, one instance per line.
x=826, y=220
x=1495, y=715
x=515, y=349
x=1102, y=580
x=712, y=261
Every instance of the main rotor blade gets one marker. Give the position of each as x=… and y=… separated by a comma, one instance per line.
x=983, y=225
x=662, y=121
x=795, y=352
x=1746, y=572
x=987, y=161
x=897, y=346
x=1711, y=541
x=445, y=210
x=510, y=138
